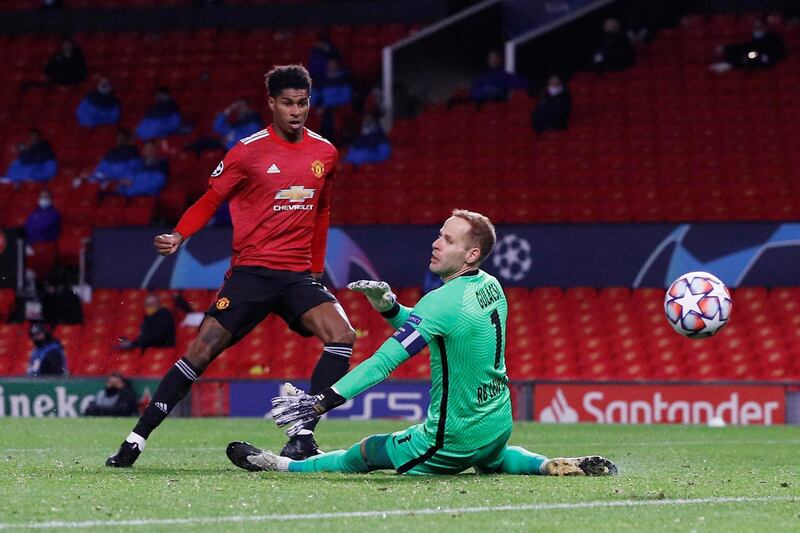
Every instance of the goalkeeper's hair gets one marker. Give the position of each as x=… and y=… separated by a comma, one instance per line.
x=282, y=77
x=481, y=233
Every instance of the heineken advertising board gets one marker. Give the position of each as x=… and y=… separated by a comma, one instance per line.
x=62, y=398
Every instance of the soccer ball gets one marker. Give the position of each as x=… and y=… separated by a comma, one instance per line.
x=697, y=304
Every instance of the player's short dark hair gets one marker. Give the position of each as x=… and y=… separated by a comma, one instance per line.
x=282, y=77
x=481, y=233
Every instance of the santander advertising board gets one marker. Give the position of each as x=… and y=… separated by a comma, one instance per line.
x=659, y=404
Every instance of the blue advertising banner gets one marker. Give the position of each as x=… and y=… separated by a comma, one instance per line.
x=393, y=399
x=598, y=255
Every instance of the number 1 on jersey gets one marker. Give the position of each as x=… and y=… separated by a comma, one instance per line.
x=495, y=316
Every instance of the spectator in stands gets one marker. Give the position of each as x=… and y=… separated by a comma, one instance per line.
x=42, y=229
x=371, y=146
x=157, y=328
x=36, y=161
x=236, y=122
x=322, y=51
x=67, y=66
x=553, y=107
x=335, y=88
x=763, y=50
x=117, y=399
x=148, y=177
x=100, y=107
x=615, y=51
x=47, y=356
x=495, y=84
x=119, y=162
x=162, y=119
x=60, y=302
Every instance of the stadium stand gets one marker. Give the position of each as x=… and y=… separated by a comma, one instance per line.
x=664, y=141
x=667, y=140
x=614, y=333
x=638, y=138
x=206, y=70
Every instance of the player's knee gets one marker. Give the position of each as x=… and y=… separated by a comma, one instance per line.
x=373, y=450
x=209, y=343
x=347, y=335
x=200, y=355
x=341, y=333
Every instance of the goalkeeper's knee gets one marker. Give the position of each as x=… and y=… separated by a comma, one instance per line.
x=373, y=449
x=353, y=461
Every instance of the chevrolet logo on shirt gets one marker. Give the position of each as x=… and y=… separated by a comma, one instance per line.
x=295, y=193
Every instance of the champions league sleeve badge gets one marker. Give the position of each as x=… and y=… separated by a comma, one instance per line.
x=218, y=170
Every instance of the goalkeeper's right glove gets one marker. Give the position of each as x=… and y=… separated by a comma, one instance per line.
x=378, y=293
x=296, y=408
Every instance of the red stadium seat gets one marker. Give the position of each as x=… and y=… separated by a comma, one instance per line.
x=73, y=241
x=11, y=336
x=7, y=299
x=632, y=372
x=597, y=370
x=669, y=371
x=199, y=299
x=704, y=371
x=155, y=368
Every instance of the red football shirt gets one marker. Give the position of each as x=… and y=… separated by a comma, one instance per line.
x=279, y=197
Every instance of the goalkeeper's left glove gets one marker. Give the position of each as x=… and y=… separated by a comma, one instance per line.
x=297, y=410
x=379, y=293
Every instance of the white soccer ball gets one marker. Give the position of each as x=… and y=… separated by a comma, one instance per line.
x=697, y=304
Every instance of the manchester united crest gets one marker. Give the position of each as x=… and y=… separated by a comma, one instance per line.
x=222, y=303
x=318, y=168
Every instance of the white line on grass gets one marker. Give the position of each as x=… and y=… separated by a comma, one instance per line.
x=391, y=513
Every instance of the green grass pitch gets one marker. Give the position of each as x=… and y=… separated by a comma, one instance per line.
x=672, y=478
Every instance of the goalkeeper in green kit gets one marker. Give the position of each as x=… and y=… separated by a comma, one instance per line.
x=469, y=421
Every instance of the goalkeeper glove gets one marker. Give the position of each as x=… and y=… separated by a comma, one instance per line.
x=379, y=293
x=298, y=408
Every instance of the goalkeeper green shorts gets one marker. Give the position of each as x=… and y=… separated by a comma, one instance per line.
x=410, y=453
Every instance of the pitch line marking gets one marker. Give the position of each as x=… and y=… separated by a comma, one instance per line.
x=393, y=512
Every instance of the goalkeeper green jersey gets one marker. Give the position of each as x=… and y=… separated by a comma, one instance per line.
x=463, y=323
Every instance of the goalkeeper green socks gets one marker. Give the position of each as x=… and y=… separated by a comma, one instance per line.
x=520, y=461
x=346, y=461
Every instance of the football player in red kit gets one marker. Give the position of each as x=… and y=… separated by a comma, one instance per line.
x=278, y=185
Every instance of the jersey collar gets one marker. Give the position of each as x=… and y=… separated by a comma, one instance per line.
x=283, y=142
x=465, y=274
